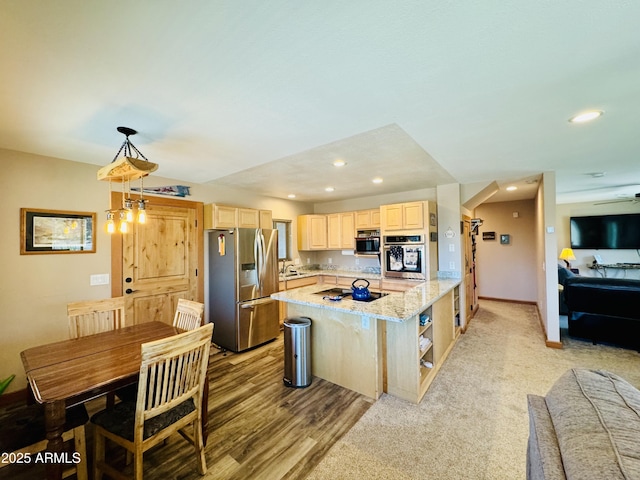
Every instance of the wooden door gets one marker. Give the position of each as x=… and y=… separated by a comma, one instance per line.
x=469, y=271
x=160, y=261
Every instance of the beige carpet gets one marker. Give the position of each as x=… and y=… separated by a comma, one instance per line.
x=472, y=423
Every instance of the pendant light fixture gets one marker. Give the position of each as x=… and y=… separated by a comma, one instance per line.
x=125, y=169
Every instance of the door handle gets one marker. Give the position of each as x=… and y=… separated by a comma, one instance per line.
x=256, y=303
x=128, y=290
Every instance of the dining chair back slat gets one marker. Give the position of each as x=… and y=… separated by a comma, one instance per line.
x=95, y=316
x=188, y=314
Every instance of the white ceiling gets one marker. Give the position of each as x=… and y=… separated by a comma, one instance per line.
x=265, y=95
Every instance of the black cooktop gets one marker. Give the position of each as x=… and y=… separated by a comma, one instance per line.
x=337, y=294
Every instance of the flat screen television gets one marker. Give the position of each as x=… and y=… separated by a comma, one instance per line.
x=606, y=231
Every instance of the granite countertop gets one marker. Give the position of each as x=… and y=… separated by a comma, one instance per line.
x=395, y=307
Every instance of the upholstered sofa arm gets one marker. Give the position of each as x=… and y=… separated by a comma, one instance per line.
x=586, y=427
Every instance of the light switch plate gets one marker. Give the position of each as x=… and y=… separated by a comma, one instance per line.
x=99, y=279
x=365, y=323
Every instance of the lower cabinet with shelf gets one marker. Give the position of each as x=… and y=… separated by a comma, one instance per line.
x=425, y=344
x=416, y=349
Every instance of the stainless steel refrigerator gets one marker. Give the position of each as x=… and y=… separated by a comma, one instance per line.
x=243, y=273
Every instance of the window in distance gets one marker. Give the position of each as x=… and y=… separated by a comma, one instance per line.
x=284, y=238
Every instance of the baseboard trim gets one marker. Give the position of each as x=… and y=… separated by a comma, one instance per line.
x=508, y=300
x=551, y=344
x=547, y=342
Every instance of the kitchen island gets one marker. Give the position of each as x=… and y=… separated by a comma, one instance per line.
x=379, y=346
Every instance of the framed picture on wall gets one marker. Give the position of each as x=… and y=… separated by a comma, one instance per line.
x=488, y=235
x=56, y=231
x=505, y=239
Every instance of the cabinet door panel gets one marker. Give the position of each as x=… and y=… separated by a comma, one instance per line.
x=413, y=215
x=248, y=218
x=347, y=231
x=318, y=235
x=393, y=217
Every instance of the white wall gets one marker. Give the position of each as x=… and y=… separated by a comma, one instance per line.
x=546, y=271
x=507, y=272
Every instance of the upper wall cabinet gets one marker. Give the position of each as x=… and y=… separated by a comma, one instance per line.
x=367, y=219
x=312, y=232
x=220, y=216
x=266, y=219
x=223, y=216
x=403, y=216
x=341, y=231
x=248, y=218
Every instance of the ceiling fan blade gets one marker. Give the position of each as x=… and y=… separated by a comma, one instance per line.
x=622, y=200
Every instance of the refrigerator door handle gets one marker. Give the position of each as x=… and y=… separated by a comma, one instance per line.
x=260, y=259
x=256, y=256
x=256, y=303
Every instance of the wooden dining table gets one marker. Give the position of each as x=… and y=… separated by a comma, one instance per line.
x=70, y=372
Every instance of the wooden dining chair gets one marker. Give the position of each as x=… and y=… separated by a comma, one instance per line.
x=95, y=316
x=23, y=435
x=188, y=314
x=174, y=370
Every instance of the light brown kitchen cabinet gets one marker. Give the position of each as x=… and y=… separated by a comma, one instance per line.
x=248, y=218
x=220, y=216
x=417, y=348
x=288, y=285
x=404, y=216
x=340, y=231
x=225, y=216
x=367, y=219
x=312, y=232
x=266, y=220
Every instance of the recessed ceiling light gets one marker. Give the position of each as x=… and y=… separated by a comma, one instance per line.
x=377, y=180
x=511, y=188
x=339, y=163
x=586, y=116
x=291, y=195
x=597, y=174
x=329, y=189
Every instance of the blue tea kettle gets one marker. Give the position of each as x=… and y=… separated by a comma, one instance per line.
x=360, y=292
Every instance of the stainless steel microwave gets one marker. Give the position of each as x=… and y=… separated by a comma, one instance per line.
x=369, y=245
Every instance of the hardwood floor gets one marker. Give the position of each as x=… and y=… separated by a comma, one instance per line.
x=258, y=428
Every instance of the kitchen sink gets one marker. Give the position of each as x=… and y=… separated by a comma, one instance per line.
x=340, y=293
x=290, y=274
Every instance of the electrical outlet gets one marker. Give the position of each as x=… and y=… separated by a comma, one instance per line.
x=296, y=261
x=357, y=261
x=452, y=247
x=365, y=323
x=452, y=265
x=330, y=260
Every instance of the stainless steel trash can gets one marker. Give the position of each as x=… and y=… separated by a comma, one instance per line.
x=297, y=352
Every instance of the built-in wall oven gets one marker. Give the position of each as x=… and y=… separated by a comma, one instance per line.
x=404, y=256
